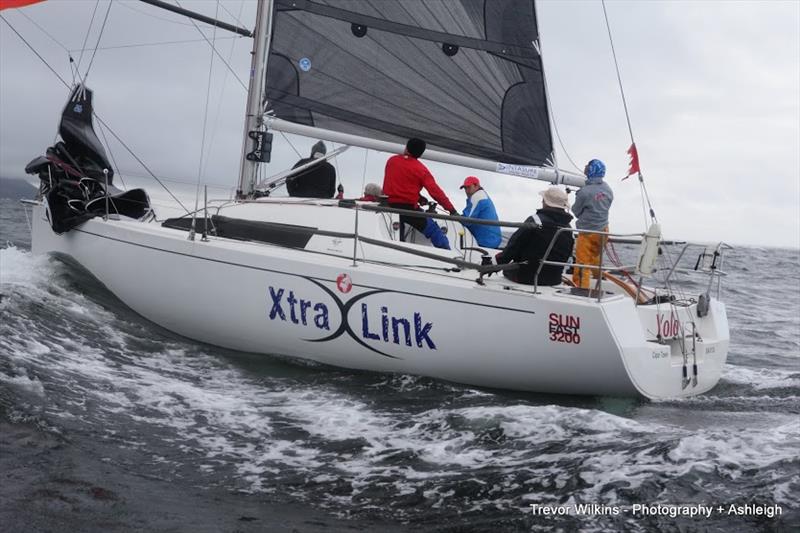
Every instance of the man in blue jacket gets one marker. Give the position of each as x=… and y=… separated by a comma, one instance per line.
x=479, y=205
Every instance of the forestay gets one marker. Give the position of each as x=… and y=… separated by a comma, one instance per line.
x=464, y=74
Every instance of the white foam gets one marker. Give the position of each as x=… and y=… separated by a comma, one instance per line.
x=20, y=267
x=30, y=384
x=740, y=449
x=762, y=378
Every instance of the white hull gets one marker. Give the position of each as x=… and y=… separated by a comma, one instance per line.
x=262, y=298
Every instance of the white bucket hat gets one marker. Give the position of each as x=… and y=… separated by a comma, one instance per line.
x=555, y=197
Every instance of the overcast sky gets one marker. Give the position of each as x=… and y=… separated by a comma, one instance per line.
x=713, y=89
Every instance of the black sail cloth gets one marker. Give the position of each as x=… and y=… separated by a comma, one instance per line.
x=76, y=177
x=461, y=74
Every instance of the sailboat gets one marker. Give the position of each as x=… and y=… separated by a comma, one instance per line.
x=331, y=280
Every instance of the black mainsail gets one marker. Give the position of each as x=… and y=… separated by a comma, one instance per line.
x=462, y=74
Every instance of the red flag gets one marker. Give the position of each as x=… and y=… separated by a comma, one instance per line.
x=633, y=167
x=10, y=4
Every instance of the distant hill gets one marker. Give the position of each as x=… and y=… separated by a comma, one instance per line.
x=16, y=189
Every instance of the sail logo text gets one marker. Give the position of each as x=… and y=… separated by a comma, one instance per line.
x=564, y=328
x=518, y=170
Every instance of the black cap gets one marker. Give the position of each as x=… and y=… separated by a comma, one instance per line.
x=415, y=147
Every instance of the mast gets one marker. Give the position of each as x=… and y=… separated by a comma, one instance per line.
x=256, y=140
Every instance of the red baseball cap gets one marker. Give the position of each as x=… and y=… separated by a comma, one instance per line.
x=471, y=180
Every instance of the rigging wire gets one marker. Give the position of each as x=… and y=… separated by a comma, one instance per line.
x=335, y=164
x=113, y=159
x=671, y=287
x=32, y=49
x=224, y=85
x=561, y=143
x=616, y=65
x=88, y=32
x=73, y=70
x=235, y=17
x=159, y=43
x=179, y=180
x=59, y=43
x=644, y=208
x=645, y=196
x=291, y=144
x=205, y=120
x=48, y=34
x=151, y=15
x=214, y=49
x=100, y=36
x=538, y=47
x=193, y=23
x=364, y=172
x=67, y=85
x=138, y=160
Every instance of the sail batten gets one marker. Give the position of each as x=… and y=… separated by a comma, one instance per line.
x=463, y=74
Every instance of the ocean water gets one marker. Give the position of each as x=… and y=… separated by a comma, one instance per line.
x=114, y=424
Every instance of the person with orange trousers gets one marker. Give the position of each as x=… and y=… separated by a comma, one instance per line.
x=591, y=206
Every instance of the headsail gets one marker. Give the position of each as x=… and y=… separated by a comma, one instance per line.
x=462, y=74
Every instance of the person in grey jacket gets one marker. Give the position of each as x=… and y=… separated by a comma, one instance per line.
x=592, y=203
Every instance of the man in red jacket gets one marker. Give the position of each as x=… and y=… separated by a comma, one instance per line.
x=403, y=180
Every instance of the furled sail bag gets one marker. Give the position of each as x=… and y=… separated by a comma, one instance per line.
x=75, y=172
